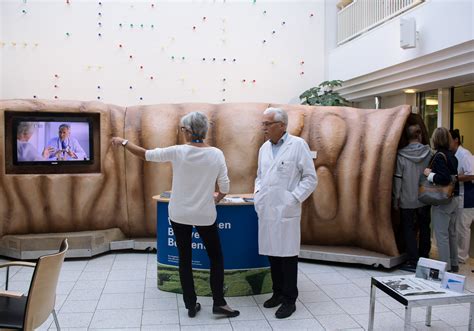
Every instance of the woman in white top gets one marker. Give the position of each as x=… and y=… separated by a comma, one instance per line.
x=196, y=168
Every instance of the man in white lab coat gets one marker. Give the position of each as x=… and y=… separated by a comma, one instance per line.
x=285, y=178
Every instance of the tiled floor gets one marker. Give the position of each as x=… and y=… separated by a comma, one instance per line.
x=118, y=291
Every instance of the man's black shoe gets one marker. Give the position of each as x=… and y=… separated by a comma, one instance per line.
x=274, y=301
x=454, y=268
x=193, y=311
x=408, y=266
x=285, y=310
x=224, y=311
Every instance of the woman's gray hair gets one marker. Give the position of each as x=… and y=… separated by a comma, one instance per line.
x=25, y=128
x=196, y=123
x=279, y=115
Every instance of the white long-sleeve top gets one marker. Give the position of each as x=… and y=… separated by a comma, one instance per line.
x=195, y=172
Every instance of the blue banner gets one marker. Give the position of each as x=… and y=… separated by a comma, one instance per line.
x=238, y=230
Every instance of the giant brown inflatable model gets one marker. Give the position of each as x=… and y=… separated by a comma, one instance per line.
x=356, y=151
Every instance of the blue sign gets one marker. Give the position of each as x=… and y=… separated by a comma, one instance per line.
x=238, y=230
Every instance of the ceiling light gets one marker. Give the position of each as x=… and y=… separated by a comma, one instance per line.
x=410, y=91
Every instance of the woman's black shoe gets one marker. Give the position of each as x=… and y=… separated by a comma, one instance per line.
x=193, y=311
x=454, y=268
x=223, y=311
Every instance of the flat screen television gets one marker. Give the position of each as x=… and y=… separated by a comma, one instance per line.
x=52, y=142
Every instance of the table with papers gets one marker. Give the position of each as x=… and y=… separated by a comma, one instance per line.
x=417, y=292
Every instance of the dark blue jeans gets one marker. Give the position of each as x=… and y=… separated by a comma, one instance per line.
x=411, y=219
x=210, y=238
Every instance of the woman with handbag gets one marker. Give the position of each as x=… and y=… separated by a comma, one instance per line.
x=444, y=167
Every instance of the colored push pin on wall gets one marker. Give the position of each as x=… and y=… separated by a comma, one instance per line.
x=302, y=62
x=56, y=76
x=151, y=77
x=204, y=18
x=100, y=3
x=243, y=80
x=98, y=97
x=223, y=90
x=141, y=67
x=34, y=97
x=131, y=25
x=68, y=34
x=23, y=11
x=141, y=98
x=273, y=32
x=172, y=57
x=254, y=81
x=152, y=26
x=120, y=25
x=283, y=23
x=100, y=24
x=141, y=25
x=311, y=15
x=152, y=5
x=264, y=41
x=213, y=59
x=234, y=60
x=223, y=100
x=67, y=2
x=302, y=73
x=99, y=13
x=223, y=79
x=182, y=57
x=98, y=87
x=56, y=86
x=120, y=45
x=194, y=28
x=224, y=59
x=204, y=59
x=99, y=34
x=130, y=87
x=55, y=96
x=130, y=56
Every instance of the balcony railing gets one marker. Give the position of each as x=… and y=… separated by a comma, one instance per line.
x=362, y=15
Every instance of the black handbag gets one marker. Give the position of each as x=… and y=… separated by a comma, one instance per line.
x=435, y=194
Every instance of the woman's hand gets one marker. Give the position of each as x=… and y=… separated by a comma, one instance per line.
x=116, y=141
x=218, y=196
x=427, y=172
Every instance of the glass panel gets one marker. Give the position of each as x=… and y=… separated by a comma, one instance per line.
x=429, y=109
x=464, y=115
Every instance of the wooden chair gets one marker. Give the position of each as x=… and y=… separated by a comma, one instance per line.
x=27, y=312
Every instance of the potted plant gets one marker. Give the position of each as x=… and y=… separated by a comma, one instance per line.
x=323, y=95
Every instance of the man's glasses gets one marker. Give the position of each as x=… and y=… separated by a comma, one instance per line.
x=267, y=124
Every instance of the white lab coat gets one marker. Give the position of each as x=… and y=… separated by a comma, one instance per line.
x=282, y=184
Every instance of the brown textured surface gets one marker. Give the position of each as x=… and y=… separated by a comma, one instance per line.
x=351, y=205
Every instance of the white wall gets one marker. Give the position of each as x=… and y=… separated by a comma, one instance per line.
x=441, y=24
x=231, y=30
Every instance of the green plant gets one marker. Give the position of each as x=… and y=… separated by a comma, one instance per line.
x=323, y=95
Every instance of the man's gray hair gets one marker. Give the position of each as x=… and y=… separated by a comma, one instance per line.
x=64, y=126
x=25, y=128
x=197, y=123
x=279, y=114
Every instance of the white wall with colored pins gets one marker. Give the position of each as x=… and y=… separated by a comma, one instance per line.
x=147, y=52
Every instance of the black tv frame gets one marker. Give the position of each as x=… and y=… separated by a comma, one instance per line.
x=12, y=166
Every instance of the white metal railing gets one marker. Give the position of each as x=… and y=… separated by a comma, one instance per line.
x=363, y=15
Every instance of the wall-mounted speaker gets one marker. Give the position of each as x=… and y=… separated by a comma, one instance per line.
x=407, y=33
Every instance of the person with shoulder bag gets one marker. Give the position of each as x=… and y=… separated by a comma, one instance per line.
x=443, y=217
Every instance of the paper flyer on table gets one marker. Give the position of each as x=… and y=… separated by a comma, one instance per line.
x=407, y=286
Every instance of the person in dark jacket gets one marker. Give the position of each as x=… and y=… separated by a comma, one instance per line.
x=443, y=168
x=411, y=161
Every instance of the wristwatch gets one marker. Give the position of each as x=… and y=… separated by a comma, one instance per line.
x=125, y=142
